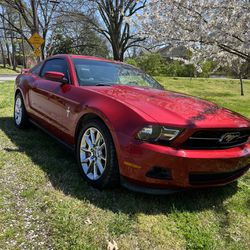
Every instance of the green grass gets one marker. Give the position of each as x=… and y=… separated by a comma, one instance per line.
x=8, y=71
x=44, y=203
x=225, y=92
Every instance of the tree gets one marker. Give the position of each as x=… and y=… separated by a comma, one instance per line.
x=114, y=25
x=205, y=26
x=217, y=30
x=241, y=68
x=36, y=14
x=152, y=63
x=9, y=38
x=76, y=37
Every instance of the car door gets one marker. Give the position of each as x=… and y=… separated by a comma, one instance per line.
x=41, y=90
x=56, y=100
x=43, y=96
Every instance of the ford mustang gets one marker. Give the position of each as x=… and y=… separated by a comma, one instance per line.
x=125, y=128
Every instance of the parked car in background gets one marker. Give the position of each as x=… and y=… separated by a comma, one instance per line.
x=125, y=128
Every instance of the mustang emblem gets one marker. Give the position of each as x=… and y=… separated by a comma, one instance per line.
x=68, y=111
x=229, y=137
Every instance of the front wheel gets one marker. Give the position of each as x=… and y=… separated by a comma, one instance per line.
x=20, y=115
x=96, y=155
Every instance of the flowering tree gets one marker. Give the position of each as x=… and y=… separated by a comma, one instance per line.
x=201, y=24
x=212, y=29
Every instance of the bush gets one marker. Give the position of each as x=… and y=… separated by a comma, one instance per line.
x=155, y=65
x=132, y=61
x=207, y=68
x=178, y=69
x=150, y=63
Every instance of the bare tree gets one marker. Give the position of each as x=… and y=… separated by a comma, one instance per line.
x=37, y=18
x=116, y=30
x=114, y=23
x=5, y=39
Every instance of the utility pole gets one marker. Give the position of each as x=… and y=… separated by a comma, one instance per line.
x=35, y=21
x=34, y=16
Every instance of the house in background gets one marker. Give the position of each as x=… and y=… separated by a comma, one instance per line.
x=171, y=52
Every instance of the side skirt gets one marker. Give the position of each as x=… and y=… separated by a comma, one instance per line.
x=64, y=144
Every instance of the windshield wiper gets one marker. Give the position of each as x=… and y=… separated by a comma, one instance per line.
x=103, y=84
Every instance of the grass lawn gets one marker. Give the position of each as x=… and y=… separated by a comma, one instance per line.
x=44, y=203
x=8, y=71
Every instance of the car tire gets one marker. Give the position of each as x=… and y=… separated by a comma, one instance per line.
x=96, y=155
x=20, y=114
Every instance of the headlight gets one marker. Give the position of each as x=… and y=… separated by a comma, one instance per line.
x=157, y=133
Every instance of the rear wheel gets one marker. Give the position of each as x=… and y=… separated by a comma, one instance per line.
x=20, y=115
x=96, y=155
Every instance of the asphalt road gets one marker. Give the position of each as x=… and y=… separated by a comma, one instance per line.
x=7, y=77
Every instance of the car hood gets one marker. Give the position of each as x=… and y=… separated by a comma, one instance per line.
x=173, y=108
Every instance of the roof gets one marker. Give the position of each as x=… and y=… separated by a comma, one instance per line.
x=88, y=58
x=171, y=51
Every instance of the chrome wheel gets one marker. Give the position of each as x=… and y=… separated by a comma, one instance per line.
x=18, y=110
x=93, y=153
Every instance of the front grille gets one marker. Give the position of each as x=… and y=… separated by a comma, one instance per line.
x=213, y=178
x=217, y=139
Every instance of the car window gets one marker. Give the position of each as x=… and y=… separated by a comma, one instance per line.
x=93, y=72
x=36, y=70
x=130, y=76
x=90, y=73
x=58, y=65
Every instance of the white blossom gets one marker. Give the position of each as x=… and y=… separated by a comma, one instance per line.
x=210, y=29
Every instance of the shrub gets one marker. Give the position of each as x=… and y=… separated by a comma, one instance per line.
x=151, y=63
x=155, y=65
x=177, y=69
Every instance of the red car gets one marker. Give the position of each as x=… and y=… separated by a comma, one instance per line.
x=124, y=127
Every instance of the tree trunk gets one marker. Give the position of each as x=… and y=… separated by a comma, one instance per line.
x=3, y=55
x=24, y=57
x=13, y=53
x=117, y=53
x=121, y=57
x=42, y=50
x=241, y=86
x=6, y=42
x=22, y=47
x=13, y=45
x=8, y=53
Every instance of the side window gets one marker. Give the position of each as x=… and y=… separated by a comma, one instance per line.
x=58, y=65
x=36, y=70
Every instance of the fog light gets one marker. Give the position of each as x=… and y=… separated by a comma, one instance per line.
x=160, y=173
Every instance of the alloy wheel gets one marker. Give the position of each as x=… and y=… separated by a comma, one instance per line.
x=93, y=153
x=18, y=110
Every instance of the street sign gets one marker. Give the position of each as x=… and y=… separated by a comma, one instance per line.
x=36, y=40
x=37, y=51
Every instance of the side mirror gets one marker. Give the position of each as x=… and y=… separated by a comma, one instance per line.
x=25, y=71
x=55, y=76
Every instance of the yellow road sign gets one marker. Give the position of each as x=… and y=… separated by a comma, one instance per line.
x=37, y=51
x=36, y=40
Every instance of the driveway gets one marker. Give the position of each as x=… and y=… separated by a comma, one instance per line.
x=8, y=77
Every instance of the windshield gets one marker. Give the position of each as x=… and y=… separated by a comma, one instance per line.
x=99, y=73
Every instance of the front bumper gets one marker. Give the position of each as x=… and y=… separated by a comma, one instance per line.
x=212, y=167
